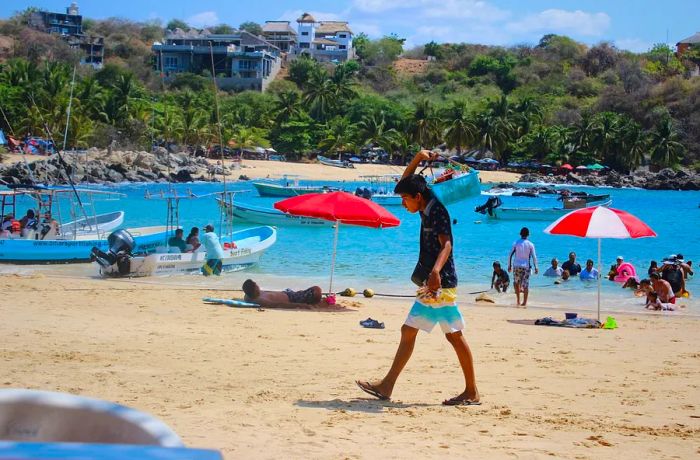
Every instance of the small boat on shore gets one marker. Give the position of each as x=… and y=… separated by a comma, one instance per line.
x=242, y=249
x=336, y=163
x=493, y=209
x=271, y=216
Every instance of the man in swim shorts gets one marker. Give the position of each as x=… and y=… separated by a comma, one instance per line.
x=436, y=300
x=286, y=298
x=523, y=250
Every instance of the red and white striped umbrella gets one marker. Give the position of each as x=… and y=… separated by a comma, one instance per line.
x=600, y=222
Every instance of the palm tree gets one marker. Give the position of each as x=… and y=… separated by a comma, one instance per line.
x=605, y=136
x=493, y=132
x=372, y=129
x=634, y=144
x=287, y=105
x=320, y=95
x=339, y=137
x=425, y=128
x=666, y=150
x=527, y=113
x=460, y=130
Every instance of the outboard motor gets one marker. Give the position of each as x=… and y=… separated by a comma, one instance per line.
x=121, y=243
x=491, y=204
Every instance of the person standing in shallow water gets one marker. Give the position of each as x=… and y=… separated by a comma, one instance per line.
x=436, y=300
x=523, y=250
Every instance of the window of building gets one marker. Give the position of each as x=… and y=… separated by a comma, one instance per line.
x=342, y=35
x=247, y=65
x=342, y=47
x=170, y=61
x=305, y=33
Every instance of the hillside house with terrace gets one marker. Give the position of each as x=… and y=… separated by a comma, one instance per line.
x=325, y=41
x=242, y=61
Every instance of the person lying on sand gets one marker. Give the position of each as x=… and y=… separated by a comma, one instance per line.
x=281, y=299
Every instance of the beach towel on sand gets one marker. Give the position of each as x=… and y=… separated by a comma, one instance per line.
x=585, y=323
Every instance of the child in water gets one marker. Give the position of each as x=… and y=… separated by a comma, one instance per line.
x=499, y=279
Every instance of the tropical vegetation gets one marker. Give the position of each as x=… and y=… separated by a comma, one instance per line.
x=556, y=102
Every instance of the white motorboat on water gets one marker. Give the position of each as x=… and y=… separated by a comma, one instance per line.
x=289, y=187
x=381, y=189
x=241, y=249
x=103, y=223
x=271, y=216
x=45, y=240
x=493, y=209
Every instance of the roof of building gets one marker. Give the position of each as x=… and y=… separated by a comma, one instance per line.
x=692, y=39
x=306, y=17
x=331, y=27
x=251, y=40
x=323, y=41
x=278, y=26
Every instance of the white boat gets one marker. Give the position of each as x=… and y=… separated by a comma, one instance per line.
x=539, y=213
x=337, y=163
x=242, y=249
x=103, y=223
x=271, y=216
x=381, y=189
x=289, y=187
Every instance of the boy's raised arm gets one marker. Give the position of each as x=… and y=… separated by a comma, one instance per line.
x=420, y=156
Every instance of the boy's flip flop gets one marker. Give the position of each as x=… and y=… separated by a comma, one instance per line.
x=369, y=389
x=460, y=402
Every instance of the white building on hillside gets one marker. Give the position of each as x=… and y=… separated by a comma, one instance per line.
x=325, y=41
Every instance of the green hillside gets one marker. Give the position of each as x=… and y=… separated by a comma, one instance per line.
x=556, y=101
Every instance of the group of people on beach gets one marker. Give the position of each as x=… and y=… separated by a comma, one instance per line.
x=666, y=283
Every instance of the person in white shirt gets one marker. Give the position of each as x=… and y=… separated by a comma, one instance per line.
x=555, y=270
x=523, y=250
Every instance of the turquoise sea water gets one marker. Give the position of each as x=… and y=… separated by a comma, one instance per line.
x=384, y=259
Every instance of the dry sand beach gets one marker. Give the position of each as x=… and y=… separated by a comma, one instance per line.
x=279, y=384
x=257, y=169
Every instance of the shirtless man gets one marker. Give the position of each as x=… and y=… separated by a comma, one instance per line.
x=281, y=299
x=663, y=289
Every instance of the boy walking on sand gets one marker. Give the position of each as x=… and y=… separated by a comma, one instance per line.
x=436, y=300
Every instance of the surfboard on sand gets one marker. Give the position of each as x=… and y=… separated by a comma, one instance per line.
x=230, y=302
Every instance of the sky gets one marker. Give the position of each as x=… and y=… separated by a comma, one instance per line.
x=633, y=25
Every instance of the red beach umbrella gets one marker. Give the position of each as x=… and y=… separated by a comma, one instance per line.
x=339, y=207
x=567, y=166
x=600, y=222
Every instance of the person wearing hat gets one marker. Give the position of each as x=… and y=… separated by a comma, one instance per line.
x=672, y=272
x=215, y=253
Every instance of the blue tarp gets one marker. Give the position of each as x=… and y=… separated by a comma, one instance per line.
x=3, y=139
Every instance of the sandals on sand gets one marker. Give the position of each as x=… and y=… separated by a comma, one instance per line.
x=371, y=323
x=460, y=402
x=369, y=389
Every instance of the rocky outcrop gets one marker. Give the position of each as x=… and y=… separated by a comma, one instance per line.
x=666, y=179
x=98, y=167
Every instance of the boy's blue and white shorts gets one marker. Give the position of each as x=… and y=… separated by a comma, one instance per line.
x=429, y=311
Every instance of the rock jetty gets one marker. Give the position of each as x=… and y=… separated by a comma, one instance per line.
x=666, y=179
x=99, y=166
